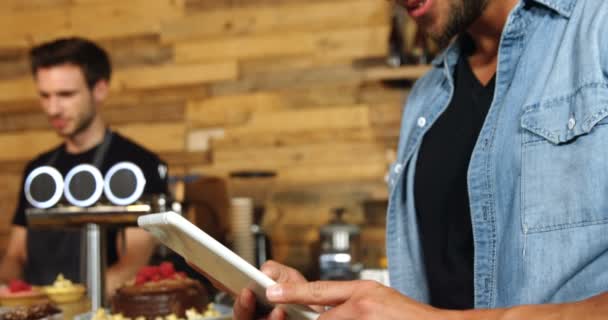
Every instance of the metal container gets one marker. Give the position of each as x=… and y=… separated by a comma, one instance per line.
x=338, y=259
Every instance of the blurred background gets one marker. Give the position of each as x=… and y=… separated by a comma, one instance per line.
x=295, y=101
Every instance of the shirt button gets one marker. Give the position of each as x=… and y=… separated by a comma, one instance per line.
x=571, y=123
x=421, y=122
x=398, y=168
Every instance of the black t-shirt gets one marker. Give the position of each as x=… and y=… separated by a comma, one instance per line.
x=441, y=193
x=51, y=252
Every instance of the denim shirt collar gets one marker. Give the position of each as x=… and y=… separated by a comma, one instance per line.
x=563, y=7
x=450, y=55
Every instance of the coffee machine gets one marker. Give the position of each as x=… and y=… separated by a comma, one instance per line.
x=338, y=259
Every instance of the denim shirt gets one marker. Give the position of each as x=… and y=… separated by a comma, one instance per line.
x=538, y=175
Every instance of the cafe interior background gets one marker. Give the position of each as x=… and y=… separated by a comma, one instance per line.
x=294, y=104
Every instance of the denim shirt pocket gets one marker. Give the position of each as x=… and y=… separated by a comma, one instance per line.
x=565, y=160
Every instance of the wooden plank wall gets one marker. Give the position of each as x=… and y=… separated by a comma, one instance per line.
x=217, y=86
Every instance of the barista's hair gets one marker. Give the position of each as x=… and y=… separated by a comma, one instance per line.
x=91, y=58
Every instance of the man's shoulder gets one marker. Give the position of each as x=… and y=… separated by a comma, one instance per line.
x=593, y=8
x=42, y=159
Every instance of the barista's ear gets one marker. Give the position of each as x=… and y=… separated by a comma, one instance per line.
x=101, y=90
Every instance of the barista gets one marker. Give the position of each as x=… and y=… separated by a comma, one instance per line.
x=72, y=77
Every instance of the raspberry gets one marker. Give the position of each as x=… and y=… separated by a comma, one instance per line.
x=18, y=286
x=140, y=279
x=148, y=271
x=166, y=269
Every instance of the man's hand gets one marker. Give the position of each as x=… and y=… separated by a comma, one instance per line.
x=245, y=304
x=11, y=265
x=371, y=300
x=353, y=300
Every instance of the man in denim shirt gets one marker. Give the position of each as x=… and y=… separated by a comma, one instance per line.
x=536, y=177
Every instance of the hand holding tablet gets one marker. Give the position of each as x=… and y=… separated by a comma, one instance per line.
x=217, y=261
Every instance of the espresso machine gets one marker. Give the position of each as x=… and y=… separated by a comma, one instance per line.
x=85, y=199
x=338, y=259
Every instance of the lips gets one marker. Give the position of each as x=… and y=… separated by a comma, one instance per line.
x=417, y=8
x=58, y=123
x=414, y=4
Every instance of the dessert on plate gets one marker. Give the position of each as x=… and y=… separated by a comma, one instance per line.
x=21, y=293
x=44, y=311
x=159, y=291
x=64, y=291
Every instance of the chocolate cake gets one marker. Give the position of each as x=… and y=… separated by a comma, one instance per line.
x=159, y=291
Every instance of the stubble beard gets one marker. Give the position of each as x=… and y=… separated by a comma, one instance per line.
x=85, y=122
x=461, y=15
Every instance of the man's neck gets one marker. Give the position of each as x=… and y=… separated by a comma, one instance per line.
x=486, y=33
x=87, y=138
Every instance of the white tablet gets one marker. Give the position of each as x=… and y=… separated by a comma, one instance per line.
x=215, y=259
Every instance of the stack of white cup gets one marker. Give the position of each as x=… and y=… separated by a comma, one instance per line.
x=240, y=223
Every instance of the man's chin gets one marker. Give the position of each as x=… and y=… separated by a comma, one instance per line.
x=63, y=133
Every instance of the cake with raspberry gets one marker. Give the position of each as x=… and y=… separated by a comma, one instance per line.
x=159, y=291
x=21, y=293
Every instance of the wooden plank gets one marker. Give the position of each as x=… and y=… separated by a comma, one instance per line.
x=147, y=113
x=402, y=73
x=23, y=121
x=257, y=157
x=173, y=75
x=312, y=78
x=230, y=110
x=22, y=88
x=112, y=19
x=23, y=28
x=354, y=42
x=37, y=120
x=345, y=117
x=356, y=135
x=8, y=167
x=304, y=175
x=174, y=95
x=10, y=184
x=386, y=115
x=121, y=18
x=378, y=93
x=236, y=109
x=161, y=137
x=205, y=5
x=135, y=51
x=20, y=5
x=200, y=139
x=13, y=64
x=249, y=21
x=288, y=64
x=26, y=145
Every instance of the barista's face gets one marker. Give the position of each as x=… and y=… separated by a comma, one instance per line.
x=444, y=19
x=66, y=99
